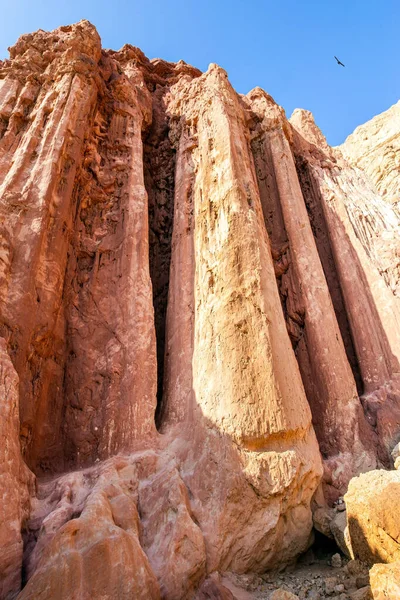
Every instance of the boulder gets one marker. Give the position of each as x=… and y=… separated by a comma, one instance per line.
x=339, y=530
x=98, y=553
x=385, y=581
x=373, y=516
x=396, y=452
x=213, y=589
x=322, y=520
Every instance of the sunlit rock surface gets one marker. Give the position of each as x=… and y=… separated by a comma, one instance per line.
x=375, y=148
x=372, y=503
x=200, y=323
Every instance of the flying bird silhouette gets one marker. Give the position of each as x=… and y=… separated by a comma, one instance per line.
x=338, y=61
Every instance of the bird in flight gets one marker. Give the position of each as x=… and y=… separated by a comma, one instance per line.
x=338, y=61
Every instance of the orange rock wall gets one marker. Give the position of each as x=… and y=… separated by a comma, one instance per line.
x=199, y=322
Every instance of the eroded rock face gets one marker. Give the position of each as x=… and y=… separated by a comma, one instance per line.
x=194, y=293
x=88, y=543
x=216, y=380
x=372, y=515
x=357, y=235
x=16, y=481
x=74, y=223
x=308, y=307
x=374, y=147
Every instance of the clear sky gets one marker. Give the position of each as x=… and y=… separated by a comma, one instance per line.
x=283, y=46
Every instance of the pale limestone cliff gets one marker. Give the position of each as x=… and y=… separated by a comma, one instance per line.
x=374, y=147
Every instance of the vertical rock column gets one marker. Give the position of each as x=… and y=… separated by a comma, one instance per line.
x=240, y=381
x=328, y=380
x=16, y=481
x=40, y=152
x=110, y=380
x=178, y=400
x=357, y=220
x=233, y=390
x=75, y=294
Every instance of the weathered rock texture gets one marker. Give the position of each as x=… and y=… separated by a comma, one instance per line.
x=385, y=581
x=375, y=148
x=372, y=503
x=197, y=301
x=16, y=481
x=357, y=236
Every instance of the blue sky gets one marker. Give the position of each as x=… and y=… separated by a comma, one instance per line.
x=283, y=46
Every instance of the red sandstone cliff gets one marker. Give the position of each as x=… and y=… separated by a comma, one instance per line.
x=199, y=323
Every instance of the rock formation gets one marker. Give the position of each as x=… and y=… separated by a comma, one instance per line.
x=359, y=247
x=372, y=503
x=374, y=147
x=385, y=581
x=372, y=515
x=16, y=481
x=199, y=318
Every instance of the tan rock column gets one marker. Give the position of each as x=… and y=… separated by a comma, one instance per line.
x=356, y=217
x=240, y=379
x=234, y=400
x=360, y=226
x=326, y=373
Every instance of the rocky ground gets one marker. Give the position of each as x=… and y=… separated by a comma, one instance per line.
x=315, y=577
